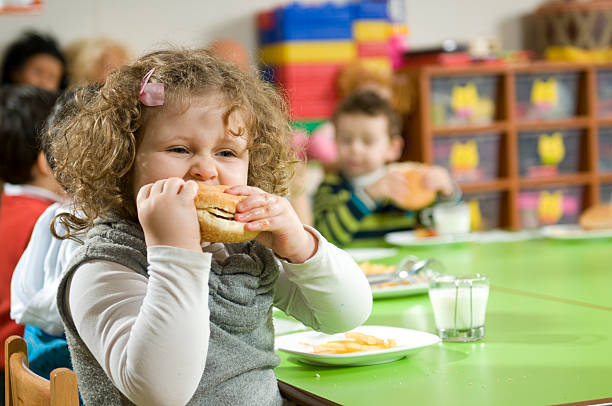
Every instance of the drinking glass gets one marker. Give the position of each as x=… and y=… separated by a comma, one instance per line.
x=459, y=306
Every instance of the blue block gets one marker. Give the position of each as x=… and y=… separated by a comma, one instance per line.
x=297, y=22
x=370, y=10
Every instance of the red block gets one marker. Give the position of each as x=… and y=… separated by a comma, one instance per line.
x=309, y=88
x=374, y=49
x=313, y=109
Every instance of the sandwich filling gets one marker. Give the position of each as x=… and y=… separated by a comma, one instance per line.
x=220, y=213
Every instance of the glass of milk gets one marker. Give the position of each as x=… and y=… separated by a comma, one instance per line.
x=447, y=218
x=459, y=305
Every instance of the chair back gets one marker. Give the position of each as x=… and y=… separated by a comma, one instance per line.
x=25, y=388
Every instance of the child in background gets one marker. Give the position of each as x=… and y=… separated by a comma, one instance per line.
x=90, y=60
x=37, y=275
x=358, y=200
x=320, y=146
x=152, y=314
x=231, y=51
x=29, y=189
x=34, y=59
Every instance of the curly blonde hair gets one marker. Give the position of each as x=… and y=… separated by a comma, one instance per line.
x=94, y=149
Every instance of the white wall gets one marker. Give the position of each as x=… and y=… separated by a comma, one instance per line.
x=432, y=21
x=146, y=25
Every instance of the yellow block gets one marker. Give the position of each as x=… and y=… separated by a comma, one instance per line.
x=308, y=51
x=371, y=30
x=382, y=65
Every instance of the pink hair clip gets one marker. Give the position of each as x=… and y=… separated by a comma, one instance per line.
x=151, y=94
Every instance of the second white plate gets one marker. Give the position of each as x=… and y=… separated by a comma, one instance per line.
x=366, y=254
x=400, y=290
x=573, y=232
x=411, y=238
x=408, y=341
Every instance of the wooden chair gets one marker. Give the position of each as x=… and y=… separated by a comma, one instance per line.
x=24, y=387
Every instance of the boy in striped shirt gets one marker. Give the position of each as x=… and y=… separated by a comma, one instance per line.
x=358, y=201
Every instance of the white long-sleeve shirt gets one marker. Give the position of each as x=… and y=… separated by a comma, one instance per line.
x=151, y=335
x=37, y=275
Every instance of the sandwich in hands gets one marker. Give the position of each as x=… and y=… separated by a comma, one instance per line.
x=417, y=196
x=216, y=211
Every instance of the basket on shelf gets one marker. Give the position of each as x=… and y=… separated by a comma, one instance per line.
x=569, y=27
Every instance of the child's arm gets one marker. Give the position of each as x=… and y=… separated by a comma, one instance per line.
x=318, y=275
x=329, y=292
x=338, y=210
x=150, y=336
x=37, y=275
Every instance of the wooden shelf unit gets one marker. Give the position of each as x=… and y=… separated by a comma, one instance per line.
x=419, y=131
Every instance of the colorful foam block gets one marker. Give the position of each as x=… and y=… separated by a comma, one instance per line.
x=308, y=52
x=297, y=22
x=373, y=49
x=371, y=30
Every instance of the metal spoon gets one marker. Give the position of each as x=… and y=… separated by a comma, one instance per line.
x=399, y=273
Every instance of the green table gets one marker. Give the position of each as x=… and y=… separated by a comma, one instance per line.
x=548, y=334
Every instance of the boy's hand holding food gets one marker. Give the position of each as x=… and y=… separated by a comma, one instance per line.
x=438, y=179
x=392, y=185
x=410, y=185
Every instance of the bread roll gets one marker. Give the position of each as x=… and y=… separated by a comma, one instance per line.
x=598, y=217
x=216, y=211
x=417, y=196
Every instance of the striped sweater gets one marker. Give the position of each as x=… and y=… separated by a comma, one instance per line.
x=342, y=215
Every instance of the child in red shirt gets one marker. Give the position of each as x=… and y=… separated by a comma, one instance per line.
x=29, y=185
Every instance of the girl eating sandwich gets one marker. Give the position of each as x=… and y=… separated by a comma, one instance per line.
x=154, y=315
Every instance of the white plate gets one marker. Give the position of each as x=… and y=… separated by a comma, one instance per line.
x=400, y=290
x=365, y=254
x=503, y=236
x=408, y=342
x=573, y=232
x=284, y=326
x=411, y=238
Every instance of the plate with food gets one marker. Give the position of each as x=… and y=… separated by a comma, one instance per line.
x=382, y=289
x=426, y=237
x=364, y=345
x=573, y=232
x=364, y=254
x=595, y=222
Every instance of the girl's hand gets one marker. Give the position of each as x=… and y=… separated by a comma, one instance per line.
x=167, y=213
x=437, y=178
x=281, y=229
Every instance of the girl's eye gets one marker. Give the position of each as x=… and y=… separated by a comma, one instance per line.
x=178, y=150
x=226, y=154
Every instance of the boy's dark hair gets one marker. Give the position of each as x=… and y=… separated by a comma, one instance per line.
x=23, y=112
x=370, y=104
x=23, y=48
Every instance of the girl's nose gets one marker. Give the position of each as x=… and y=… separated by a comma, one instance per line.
x=203, y=169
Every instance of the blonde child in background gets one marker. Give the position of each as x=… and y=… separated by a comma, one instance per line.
x=153, y=315
x=90, y=60
x=358, y=200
